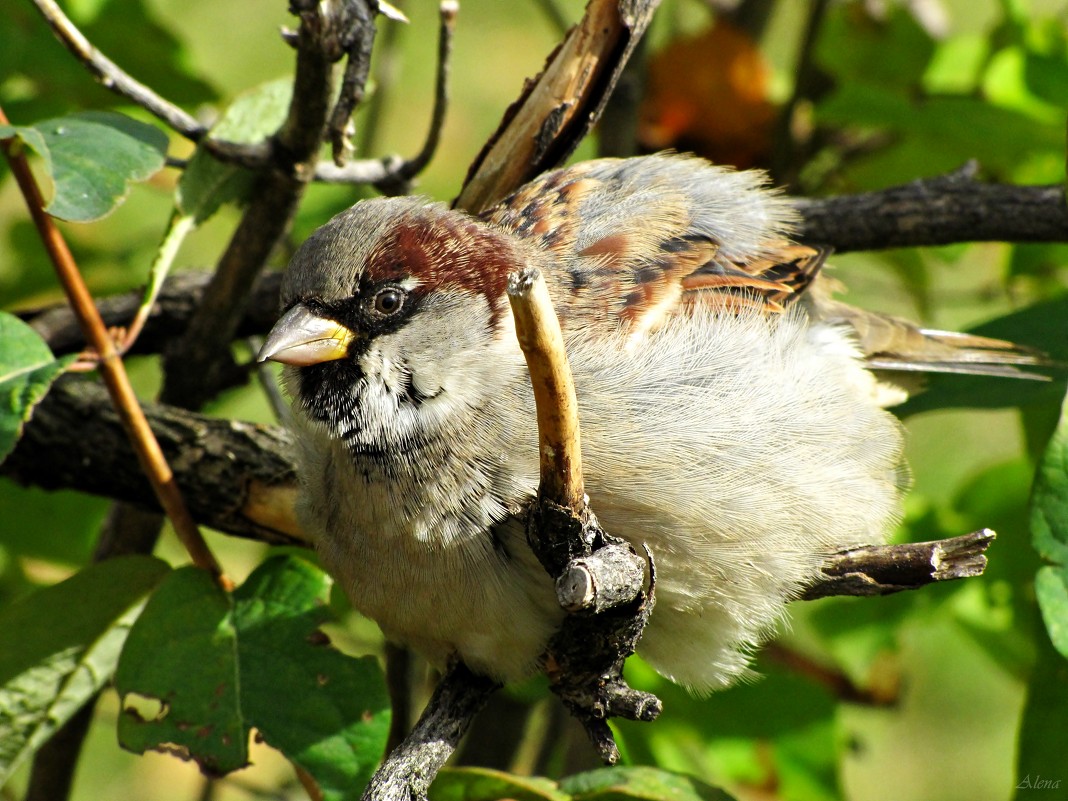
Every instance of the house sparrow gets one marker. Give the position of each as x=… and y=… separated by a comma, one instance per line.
x=729, y=419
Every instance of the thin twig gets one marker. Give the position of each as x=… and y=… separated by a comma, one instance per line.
x=387, y=69
x=887, y=569
x=147, y=448
x=356, y=35
x=112, y=77
x=400, y=182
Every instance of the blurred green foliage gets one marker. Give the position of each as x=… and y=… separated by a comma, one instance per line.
x=961, y=695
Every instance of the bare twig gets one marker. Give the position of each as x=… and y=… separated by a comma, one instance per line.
x=112, y=77
x=149, y=454
x=356, y=35
x=400, y=182
x=387, y=68
x=936, y=211
x=886, y=569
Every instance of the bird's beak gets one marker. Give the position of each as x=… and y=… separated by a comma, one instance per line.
x=301, y=338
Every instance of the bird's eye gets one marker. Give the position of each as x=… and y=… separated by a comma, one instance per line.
x=389, y=300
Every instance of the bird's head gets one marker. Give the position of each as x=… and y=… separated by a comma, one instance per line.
x=392, y=315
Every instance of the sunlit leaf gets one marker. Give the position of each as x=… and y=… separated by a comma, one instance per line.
x=203, y=667
x=207, y=183
x=1049, y=531
x=639, y=784
x=92, y=157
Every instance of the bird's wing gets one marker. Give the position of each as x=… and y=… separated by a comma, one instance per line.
x=660, y=235
x=656, y=236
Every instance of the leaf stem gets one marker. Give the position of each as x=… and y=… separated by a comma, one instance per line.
x=144, y=442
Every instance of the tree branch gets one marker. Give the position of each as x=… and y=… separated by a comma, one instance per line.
x=407, y=772
x=198, y=364
x=936, y=211
x=113, y=77
x=237, y=477
x=558, y=108
x=886, y=569
x=399, y=182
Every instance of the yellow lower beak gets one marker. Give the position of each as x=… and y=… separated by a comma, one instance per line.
x=301, y=338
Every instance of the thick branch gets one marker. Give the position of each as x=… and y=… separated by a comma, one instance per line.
x=936, y=211
x=237, y=477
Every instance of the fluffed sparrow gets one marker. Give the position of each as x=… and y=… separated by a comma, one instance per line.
x=730, y=421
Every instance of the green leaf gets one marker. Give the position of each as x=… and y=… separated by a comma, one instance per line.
x=27, y=370
x=207, y=183
x=180, y=660
x=91, y=158
x=639, y=784
x=60, y=645
x=208, y=667
x=485, y=784
x=1049, y=532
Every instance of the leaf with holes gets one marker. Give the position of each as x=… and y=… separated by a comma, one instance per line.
x=203, y=667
